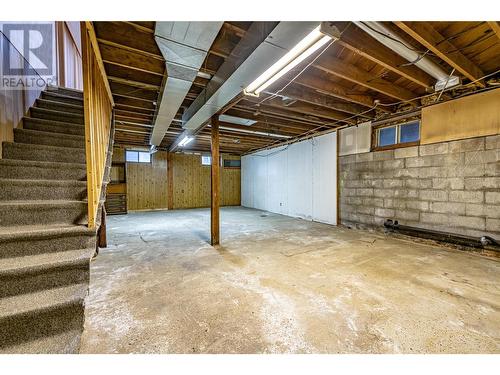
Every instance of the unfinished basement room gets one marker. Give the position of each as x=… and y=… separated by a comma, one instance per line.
x=250, y=187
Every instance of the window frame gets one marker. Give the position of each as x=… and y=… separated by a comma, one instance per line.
x=206, y=156
x=138, y=157
x=231, y=167
x=398, y=144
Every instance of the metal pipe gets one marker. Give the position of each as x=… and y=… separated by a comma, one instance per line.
x=456, y=239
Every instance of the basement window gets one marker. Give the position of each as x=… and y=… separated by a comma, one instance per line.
x=229, y=163
x=407, y=134
x=137, y=156
x=206, y=160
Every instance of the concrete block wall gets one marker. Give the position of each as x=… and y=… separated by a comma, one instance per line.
x=451, y=186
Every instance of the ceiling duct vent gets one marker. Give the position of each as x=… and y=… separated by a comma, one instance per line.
x=184, y=45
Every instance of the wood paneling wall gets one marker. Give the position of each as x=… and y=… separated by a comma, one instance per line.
x=147, y=184
x=14, y=104
x=69, y=55
x=192, y=182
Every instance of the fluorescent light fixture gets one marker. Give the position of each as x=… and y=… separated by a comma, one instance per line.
x=236, y=120
x=185, y=141
x=305, y=48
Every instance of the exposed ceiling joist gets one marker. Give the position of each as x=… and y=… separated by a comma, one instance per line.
x=332, y=65
x=495, y=26
x=130, y=49
x=128, y=82
x=359, y=42
x=429, y=37
x=310, y=96
x=329, y=88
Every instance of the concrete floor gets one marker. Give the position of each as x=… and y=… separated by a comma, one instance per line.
x=283, y=285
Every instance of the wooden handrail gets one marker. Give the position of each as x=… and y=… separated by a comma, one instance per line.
x=98, y=106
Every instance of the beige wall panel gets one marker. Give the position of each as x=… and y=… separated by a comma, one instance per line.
x=472, y=116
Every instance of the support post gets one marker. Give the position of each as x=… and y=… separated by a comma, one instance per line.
x=170, y=181
x=215, y=182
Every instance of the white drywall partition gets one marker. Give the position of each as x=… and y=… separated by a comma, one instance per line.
x=298, y=180
x=298, y=184
x=324, y=179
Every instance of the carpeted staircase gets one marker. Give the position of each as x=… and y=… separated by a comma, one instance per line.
x=45, y=247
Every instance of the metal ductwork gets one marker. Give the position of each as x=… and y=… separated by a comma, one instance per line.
x=263, y=44
x=184, y=45
x=394, y=42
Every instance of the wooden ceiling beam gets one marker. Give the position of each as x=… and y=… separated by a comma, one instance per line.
x=304, y=108
x=138, y=27
x=126, y=66
x=127, y=34
x=146, y=111
x=238, y=31
x=268, y=120
x=350, y=72
x=282, y=114
x=362, y=44
x=495, y=26
x=306, y=95
x=128, y=82
x=429, y=37
x=262, y=128
x=329, y=88
x=138, y=103
x=130, y=49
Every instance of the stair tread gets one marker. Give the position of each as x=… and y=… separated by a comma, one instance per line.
x=55, y=88
x=46, y=147
x=56, y=111
x=65, y=342
x=25, y=231
x=48, y=101
x=46, y=164
x=41, y=300
x=52, y=122
x=56, y=94
x=51, y=134
x=33, y=262
x=42, y=182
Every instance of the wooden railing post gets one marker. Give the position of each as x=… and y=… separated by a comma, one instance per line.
x=98, y=104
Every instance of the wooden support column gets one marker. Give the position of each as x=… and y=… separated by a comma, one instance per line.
x=215, y=182
x=170, y=181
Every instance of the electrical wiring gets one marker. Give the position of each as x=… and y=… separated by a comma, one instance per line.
x=312, y=131
x=394, y=39
x=448, y=89
x=442, y=41
x=445, y=84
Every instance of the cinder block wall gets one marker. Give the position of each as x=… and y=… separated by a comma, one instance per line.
x=450, y=186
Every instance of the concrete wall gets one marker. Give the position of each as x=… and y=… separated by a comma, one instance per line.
x=449, y=186
x=298, y=180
